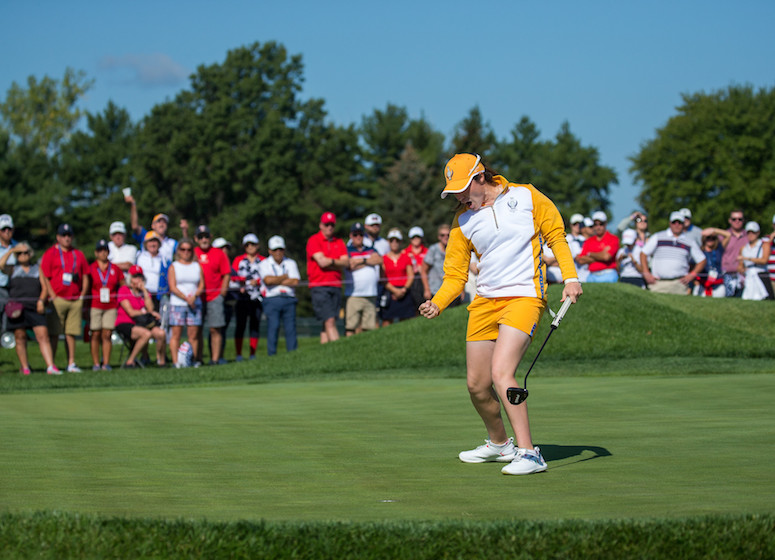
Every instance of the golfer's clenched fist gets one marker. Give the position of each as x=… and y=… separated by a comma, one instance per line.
x=429, y=310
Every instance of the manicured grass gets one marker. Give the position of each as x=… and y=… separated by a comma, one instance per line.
x=643, y=447
x=653, y=412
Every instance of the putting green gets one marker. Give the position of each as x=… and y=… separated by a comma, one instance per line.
x=617, y=447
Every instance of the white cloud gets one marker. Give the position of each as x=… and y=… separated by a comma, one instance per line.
x=148, y=70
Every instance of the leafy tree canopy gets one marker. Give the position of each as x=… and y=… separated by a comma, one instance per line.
x=716, y=154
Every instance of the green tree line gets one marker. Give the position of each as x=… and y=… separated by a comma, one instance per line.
x=241, y=150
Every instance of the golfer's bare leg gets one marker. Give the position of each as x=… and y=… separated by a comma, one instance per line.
x=479, y=379
x=509, y=348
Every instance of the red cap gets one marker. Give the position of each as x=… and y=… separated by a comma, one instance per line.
x=328, y=218
x=135, y=270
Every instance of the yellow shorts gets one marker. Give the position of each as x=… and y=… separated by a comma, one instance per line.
x=485, y=315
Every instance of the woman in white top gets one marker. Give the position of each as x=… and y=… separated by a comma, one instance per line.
x=186, y=285
x=753, y=264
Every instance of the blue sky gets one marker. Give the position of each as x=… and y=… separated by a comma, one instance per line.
x=615, y=70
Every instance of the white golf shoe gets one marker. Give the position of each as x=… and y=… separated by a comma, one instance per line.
x=490, y=452
x=527, y=461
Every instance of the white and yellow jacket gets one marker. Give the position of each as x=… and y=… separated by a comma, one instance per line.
x=507, y=239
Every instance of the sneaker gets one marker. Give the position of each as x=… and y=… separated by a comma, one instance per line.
x=106, y=367
x=490, y=452
x=52, y=370
x=221, y=362
x=26, y=371
x=197, y=364
x=238, y=358
x=252, y=357
x=95, y=367
x=72, y=368
x=527, y=461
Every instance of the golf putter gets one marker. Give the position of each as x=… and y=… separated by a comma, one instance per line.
x=518, y=395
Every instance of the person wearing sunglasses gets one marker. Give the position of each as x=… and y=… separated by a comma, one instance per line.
x=326, y=259
x=28, y=287
x=733, y=280
x=186, y=284
x=504, y=224
x=671, y=253
x=67, y=272
x=432, y=270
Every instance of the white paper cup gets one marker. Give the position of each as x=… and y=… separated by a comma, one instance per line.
x=127, y=192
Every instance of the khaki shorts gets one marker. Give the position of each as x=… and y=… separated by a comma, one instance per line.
x=669, y=287
x=66, y=317
x=485, y=315
x=100, y=319
x=361, y=312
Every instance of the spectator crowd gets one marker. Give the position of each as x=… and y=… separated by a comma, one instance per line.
x=162, y=290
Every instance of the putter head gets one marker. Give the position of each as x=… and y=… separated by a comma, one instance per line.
x=516, y=395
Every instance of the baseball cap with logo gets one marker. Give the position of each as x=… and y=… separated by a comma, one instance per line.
x=250, y=238
x=752, y=226
x=220, y=243
x=276, y=242
x=629, y=236
x=202, y=231
x=6, y=221
x=395, y=234
x=102, y=245
x=686, y=213
x=676, y=216
x=136, y=270
x=588, y=222
x=460, y=171
x=357, y=226
x=328, y=218
x=117, y=227
x=64, y=229
x=158, y=217
x=416, y=231
x=599, y=216
x=373, y=220
x=576, y=219
x=150, y=236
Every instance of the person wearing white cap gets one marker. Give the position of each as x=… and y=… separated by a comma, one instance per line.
x=504, y=224
x=599, y=251
x=671, y=253
x=575, y=241
x=280, y=275
x=628, y=260
x=690, y=230
x=120, y=253
x=416, y=252
x=248, y=308
x=753, y=258
x=372, y=226
x=6, y=244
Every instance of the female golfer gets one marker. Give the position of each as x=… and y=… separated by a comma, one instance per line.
x=504, y=224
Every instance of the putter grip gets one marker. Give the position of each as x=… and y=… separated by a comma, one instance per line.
x=561, y=313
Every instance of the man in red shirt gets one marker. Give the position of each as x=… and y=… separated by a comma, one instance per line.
x=326, y=258
x=67, y=273
x=216, y=271
x=106, y=278
x=599, y=251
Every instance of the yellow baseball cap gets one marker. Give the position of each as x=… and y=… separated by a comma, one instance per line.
x=459, y=172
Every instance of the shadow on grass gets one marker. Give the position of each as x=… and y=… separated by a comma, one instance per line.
x=560, y=452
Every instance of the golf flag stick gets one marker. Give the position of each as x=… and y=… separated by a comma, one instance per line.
x=517, y=395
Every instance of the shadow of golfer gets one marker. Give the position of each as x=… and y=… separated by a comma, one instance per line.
x=560, y=452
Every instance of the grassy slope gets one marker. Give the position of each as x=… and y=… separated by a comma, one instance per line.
x=614, y=330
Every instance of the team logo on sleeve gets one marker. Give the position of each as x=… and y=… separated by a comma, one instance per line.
x=512, y=203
